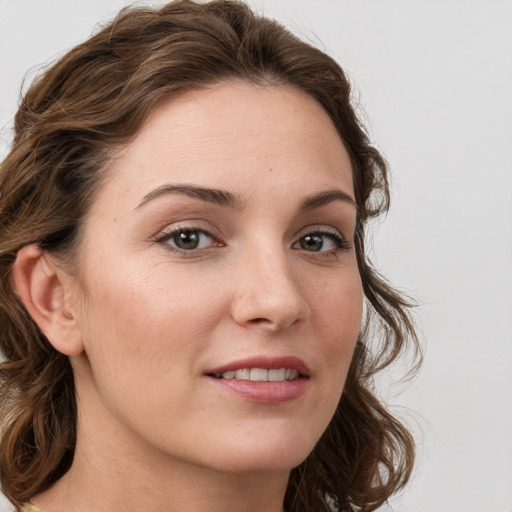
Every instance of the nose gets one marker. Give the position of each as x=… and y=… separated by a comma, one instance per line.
x=268, y=294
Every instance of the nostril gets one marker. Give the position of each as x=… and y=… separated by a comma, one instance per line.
x=259, y=320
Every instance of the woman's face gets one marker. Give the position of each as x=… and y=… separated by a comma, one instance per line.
x=220, y=299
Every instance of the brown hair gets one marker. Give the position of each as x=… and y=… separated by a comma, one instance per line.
x=70, y=119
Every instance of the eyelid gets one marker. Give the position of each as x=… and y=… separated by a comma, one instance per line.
x=168, y=232
x=191, y=225
x=324, y=230
x=163, y=235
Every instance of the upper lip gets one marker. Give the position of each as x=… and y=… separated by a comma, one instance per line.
x=264, y=362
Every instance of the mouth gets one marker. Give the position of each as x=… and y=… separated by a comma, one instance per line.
x=259, y=374
x=262, y=369
x=263, y=379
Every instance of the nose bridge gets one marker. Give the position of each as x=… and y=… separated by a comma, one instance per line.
x=269, y=293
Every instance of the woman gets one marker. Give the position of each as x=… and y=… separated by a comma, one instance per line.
x=184, y=277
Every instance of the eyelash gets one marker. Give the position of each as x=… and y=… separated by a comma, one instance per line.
x=173, y=233
x=340, y=242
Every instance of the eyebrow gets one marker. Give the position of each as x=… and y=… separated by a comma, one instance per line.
x=230, y=200
x=328, y=196
x=210, y=195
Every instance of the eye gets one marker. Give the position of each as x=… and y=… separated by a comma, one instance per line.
x=188, y=239
x=321, y=242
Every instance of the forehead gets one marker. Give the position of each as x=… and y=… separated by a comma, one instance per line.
x=235, y=135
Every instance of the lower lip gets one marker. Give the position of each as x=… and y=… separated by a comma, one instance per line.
x=264, y=392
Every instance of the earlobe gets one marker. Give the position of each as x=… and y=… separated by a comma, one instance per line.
x=42, y=288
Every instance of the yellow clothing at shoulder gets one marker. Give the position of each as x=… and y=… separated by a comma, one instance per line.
x=29, y=508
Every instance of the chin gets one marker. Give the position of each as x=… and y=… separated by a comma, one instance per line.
x=267, y=453
x=263, y=463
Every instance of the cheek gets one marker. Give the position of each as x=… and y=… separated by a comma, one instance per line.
x=339, y=302
x=335, y=324
x=143, y=339
x=337, y=319
x=146, y=318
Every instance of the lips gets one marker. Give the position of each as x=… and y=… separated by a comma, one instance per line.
x=263, y=380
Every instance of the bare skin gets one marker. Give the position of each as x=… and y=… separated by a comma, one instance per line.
x=174, y=281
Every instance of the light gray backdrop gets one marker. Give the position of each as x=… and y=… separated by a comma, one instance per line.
x=435, y=81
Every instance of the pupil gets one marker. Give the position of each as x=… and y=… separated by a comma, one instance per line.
x=312, y=242
x=187, y=240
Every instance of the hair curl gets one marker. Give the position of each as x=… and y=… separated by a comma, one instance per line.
x=71, y=118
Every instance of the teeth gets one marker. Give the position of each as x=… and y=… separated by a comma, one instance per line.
x=258, y=374
x=261, y=374
x=243, y=374
x=294, y=374
x=277, y=375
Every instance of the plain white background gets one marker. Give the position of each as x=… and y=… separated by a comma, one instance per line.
x=434, y=80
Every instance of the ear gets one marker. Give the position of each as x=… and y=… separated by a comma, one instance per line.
x=44, y=289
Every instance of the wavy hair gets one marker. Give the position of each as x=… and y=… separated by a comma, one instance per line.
x=70, y=120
